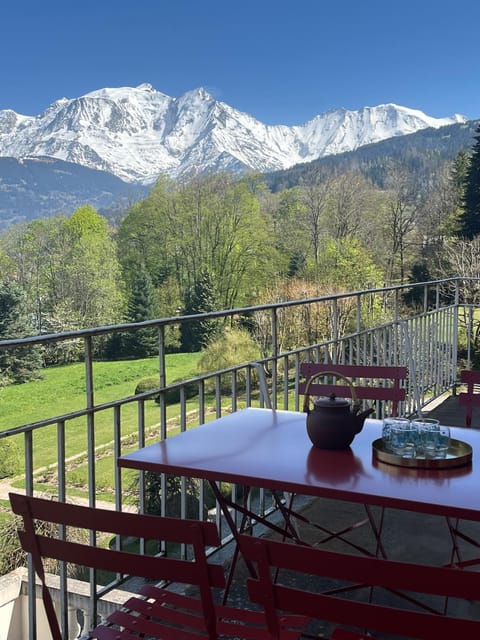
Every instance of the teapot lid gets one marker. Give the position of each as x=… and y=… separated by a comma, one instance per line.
x=332, y=402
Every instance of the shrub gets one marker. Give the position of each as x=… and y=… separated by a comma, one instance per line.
x=147, y=384
x=9, y=458
x=12, y=555
x=172, y=396
x=234, y=347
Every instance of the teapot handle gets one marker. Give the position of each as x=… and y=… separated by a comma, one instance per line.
x=306, y=401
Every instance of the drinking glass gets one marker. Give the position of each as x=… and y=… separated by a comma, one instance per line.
x=404, y=440
x=387, y=425
x=443, y=442
x=427, y=429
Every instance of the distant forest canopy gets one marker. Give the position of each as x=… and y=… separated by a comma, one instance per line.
x=422, y=153
x=222, y=241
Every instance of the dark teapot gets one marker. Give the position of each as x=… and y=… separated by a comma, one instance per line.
x=333, y=422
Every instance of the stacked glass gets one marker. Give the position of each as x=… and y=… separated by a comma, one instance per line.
x=418, y=437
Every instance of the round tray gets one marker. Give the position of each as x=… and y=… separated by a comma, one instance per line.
x=458, y=454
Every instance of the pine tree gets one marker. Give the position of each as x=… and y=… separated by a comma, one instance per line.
x=17, y=364
x=470, y=219
x=200, y=298
x=141, y=306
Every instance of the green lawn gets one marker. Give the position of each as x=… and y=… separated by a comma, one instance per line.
x=62, y=390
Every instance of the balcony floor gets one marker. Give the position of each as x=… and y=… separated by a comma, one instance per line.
x=448, y=410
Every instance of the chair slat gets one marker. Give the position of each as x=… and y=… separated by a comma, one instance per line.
x=371, y=382
x=279, y=597
x=156, y=612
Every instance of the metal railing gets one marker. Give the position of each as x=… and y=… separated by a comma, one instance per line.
x=374, y=326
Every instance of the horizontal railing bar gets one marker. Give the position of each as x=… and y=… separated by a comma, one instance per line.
x=97, y=331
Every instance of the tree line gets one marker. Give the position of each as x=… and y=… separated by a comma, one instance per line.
x=219, y=241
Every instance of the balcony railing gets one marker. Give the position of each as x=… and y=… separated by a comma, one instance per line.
x=373, y=326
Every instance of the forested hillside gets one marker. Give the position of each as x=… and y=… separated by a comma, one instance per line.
x=422, y=154
x=220, y=242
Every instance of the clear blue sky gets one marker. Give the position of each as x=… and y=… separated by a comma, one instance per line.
x=282, y=61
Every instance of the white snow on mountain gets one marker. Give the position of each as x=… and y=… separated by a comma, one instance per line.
x=139, y=133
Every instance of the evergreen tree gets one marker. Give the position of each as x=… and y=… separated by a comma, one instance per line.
x=415, y=297
x=17, y=364
x=200, y=298
x=141, y=306
x=459, y=171
x=470, y=219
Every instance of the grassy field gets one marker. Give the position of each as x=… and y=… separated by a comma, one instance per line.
x=62, y=390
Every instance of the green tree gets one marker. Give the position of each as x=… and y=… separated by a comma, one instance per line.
x=141, y=306
x=144, y=236
x=314, y=198
x=345, y=265
x=401, y=220
x=199, y=298
x=216, y=225
x=291, y=236
x=416, y=297
x=90, y=269
x=69, y=271
x=17, y=364
x=470, y=219
x=212, y=223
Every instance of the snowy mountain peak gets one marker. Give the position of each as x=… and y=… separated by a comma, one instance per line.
x=138, y=133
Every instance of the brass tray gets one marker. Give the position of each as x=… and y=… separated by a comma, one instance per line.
x=458, y=454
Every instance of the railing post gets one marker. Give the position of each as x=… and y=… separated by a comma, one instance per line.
x=455, y=334
x=90, y=401
x=274, y=357
x=32, y=602
x=335, y=329
x=162, y=370
x=64, y=612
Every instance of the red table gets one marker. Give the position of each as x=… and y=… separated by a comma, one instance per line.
x=271, y=449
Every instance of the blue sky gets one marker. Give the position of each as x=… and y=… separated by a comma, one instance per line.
x=281, y=61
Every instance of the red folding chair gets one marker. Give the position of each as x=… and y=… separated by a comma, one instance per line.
x=384, y=385
x=156, y=612
x=397, y=583
x=471, y=397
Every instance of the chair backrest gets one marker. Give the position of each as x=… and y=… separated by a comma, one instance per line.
x=383, y=384
x=278, y=563
x=471, y=397
x=196, y=535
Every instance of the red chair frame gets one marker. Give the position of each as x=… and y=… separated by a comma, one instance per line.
x=387, y=389
x=469, y=398
x=278, y=597
x=156, y=612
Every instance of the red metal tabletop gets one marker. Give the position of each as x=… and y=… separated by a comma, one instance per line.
x=271, y=449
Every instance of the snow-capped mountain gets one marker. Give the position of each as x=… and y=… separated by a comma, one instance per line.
x=139, y=133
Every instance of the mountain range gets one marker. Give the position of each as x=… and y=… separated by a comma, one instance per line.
x=113, y=143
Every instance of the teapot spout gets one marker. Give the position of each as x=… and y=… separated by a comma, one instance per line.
x=360, y=418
